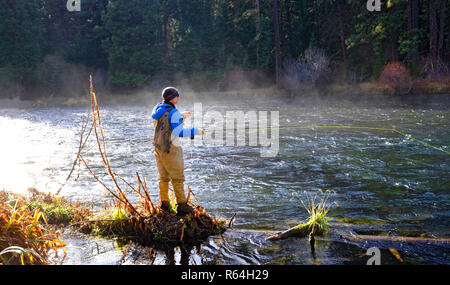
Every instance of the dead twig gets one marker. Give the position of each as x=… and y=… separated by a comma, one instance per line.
x=231, y=222
x=82, y=143
x=189, y=195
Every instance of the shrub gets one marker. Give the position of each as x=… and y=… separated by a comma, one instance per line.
x=303, y=73
x=397, y=76
x=432, y=86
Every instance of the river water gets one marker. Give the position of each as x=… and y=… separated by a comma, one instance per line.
x=384, y=182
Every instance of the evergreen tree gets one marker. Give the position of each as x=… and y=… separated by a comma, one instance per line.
x=134, y=41
x=86, y=35
x=21, y=40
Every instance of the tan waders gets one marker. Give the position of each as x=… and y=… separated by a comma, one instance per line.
x=171, y=168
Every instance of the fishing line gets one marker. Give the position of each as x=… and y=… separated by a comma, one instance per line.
x=366, y=128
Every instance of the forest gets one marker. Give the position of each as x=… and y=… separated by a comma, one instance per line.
x=47, y=50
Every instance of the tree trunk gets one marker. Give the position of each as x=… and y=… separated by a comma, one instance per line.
x=258, y=29
x=277, y=42
x=433, y=35
x=20, y=87
x=165, y=29
x=341, y=29
x=394, y=40
x=287, y=9
x=394, y=43
x=413, y=26
x=441, y=30
x=447, y=49
x=303, y=231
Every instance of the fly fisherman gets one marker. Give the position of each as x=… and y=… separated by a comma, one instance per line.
x=168, y=152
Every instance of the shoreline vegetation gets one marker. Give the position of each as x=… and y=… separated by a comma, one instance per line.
x=394, y=81
x=29, y=223
x=370, y=91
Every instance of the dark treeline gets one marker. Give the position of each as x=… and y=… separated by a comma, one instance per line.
x=211, y=43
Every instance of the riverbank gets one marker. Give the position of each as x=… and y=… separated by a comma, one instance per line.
x=371, y=93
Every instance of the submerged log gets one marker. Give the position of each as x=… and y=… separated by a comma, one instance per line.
x=304, y=230
x=299, y=231
x=396, y=239
x=292, y=232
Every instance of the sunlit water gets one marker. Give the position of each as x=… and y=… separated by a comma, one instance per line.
x=383, y=181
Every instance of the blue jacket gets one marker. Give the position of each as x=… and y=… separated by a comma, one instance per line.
x=175, y=119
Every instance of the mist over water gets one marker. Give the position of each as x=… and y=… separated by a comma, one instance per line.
x=392, y=182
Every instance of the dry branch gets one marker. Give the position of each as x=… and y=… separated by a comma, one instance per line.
x=82, y=143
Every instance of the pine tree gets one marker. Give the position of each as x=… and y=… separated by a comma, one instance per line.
x=134, y=41
x=20, y=40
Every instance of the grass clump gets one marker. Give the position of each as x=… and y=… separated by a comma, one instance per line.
x=58, y=210
x=24, y=234
x=56, y=214
x=107, y=223
x=317, y=223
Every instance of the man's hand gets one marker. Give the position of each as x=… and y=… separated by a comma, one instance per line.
x=186, y=114
x=201, y=132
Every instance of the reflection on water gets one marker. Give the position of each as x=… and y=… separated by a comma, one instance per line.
x=32, y=151
x=240, y=247
x=378, y=176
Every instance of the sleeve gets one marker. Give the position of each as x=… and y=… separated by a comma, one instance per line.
x=176, y=122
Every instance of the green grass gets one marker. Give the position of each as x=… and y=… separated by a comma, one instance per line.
x=55, y=213
x=318, y=220
x=109, y=223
